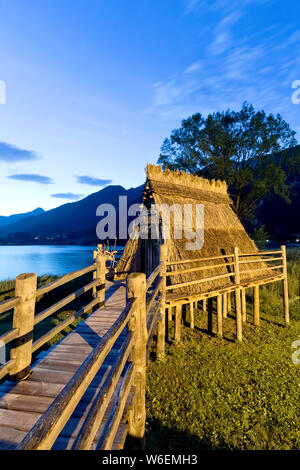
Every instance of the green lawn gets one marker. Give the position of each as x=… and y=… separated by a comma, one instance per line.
x=211, y=393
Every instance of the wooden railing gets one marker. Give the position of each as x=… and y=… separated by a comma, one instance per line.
x=25, y=320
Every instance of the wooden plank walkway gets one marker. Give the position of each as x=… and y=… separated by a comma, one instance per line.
x=22, y=404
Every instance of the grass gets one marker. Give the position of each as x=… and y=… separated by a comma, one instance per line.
x=211, y=393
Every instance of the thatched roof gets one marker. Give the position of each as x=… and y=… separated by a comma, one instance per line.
x=222, y=228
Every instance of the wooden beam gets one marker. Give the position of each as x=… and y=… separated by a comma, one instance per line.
x=136, y=288
x=285, y=287
x=192, y=319
x=244, y=306
x=225, y=305
x=256, y=305
x=219, y=316
x=238, y=310
x=23, y=320
x=161, y=331
x=178, y=318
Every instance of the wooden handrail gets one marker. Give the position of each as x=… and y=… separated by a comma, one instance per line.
x=5, y=368
x=47, y=428
x=198, y=281
x=259, y=260
x=199, y=259
x=61, y=303
x=64, y=279
x=152, y=277
x=111, y=427
x=100, y=403
x=8, y=304
x=9, y=335
x=153, y=296
x=62, y=325
x=200, y=268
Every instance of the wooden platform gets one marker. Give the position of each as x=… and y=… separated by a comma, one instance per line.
x=22, y=404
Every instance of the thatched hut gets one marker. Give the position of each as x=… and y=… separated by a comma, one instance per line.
x=222, y=231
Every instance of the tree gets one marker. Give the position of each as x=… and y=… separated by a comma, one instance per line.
x=236, y=147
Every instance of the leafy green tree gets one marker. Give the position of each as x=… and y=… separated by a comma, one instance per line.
x=237, y=147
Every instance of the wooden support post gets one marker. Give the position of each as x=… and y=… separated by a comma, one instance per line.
x=229, y=302
x=161, y=331
x=244, y=306
x=285, y=287
x=136, y=288
x=23, y=320
x=209, y=315
x=192, y=319
x=256, y=305
x=238, y=311
x=225, y=305
x=178, y=318
x=100, y=270
x=204, y=305
x=219, y=316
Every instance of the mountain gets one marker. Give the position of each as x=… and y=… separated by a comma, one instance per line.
x=6, y=220
x=73, y=223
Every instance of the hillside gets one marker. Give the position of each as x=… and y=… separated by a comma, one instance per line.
x=70, y=223
x=10, y=219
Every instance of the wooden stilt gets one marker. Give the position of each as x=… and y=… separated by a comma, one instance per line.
x=219, y=315
x=244, y=306
x=178, y=317
x=161, y=330
x=204, y=305
x=225, y=305
x=256, y=305
x=238, y=310
x=285, y=287
x=192, y=324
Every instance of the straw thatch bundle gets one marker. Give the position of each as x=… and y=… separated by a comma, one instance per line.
x=222, y=228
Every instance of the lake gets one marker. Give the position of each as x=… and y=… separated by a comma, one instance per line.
x=46, y=259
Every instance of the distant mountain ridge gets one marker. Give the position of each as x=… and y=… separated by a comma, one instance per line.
x=6, y=220
x=73, y=223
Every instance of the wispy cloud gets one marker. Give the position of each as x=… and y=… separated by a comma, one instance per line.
x=10, y=153
x=31, y=178
x=69, y=196
x=91, y=181
x=193, y=67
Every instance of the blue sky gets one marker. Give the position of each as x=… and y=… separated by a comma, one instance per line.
x=93, y=87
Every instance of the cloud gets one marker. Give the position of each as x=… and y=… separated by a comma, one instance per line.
x=193, y=67
x=92, y=181
x=70, y=196
x=31, y=178
x=10, y=153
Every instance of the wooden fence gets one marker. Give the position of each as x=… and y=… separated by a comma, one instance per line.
x=147, y=310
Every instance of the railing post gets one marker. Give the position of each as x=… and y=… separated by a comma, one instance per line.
x=161, y=330
x=285, y=287
x=23, y=320
x=238, y=311
x=100, y=273
x=136, y=288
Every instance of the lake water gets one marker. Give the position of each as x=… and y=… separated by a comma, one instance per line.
x=54, y=259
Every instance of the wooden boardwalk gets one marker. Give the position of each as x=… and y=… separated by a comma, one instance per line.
x=22, y=403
